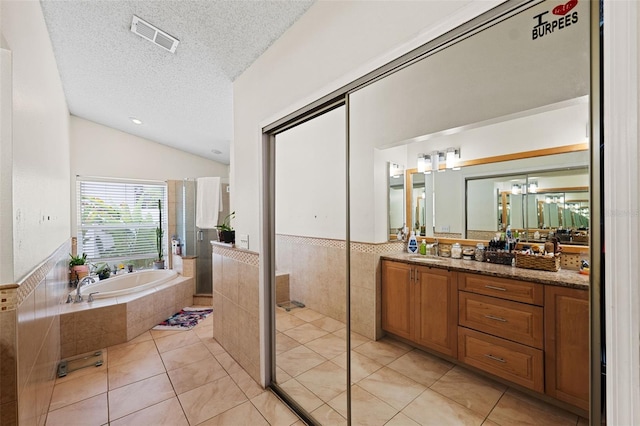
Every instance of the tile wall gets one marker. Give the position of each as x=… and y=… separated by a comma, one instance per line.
x=30, y=340
x=236, y=324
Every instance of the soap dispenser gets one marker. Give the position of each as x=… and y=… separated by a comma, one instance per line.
x=412, y=246
x=423, y=247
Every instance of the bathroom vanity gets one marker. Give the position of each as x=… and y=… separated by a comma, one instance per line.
x=527, y=327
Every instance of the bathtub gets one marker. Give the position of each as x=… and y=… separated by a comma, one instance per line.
x=127, y=283
x=125, y=306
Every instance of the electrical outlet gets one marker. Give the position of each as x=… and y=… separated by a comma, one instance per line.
x=243, y=241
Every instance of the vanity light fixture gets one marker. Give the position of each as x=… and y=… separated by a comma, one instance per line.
x=395, y=170
x=452, y=157
x=424, y=163
x=533, y=187
x=440, y=158
x=515, y=189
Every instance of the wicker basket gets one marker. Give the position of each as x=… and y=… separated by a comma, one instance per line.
x=541, y=263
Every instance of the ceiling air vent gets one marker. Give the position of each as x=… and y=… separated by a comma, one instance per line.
x=154, y=34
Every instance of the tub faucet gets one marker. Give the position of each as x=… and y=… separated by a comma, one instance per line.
x=84, y=280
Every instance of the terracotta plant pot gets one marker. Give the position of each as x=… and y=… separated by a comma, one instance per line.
x=79, y=271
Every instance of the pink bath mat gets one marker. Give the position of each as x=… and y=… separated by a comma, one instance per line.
x=186, y=319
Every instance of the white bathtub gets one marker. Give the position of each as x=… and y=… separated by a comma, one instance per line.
x=127, y=283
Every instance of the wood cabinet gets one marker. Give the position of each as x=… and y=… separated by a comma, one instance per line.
x=420, y=304
x=567, y=345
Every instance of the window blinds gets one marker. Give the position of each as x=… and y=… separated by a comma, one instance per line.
x=117, y=220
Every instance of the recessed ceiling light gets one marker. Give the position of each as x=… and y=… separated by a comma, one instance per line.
x=135, y=120
x=216, y=151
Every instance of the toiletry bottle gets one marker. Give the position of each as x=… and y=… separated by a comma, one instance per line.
x=412, y=246
x=423, y=247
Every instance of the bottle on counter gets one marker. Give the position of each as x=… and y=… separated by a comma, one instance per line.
x=479, y=254
x=423, y=247
x=412, y=245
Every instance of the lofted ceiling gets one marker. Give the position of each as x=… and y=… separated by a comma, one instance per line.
x=184, y=99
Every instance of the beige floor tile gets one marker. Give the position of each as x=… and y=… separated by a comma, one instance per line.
x=286, y=322
x=204, y=331
x=366, y=409
x=298, y=360
x=184, y=356
x=471, y=390
x=392, y=387
x=211, y=399
x=327, y=416
x=488, y=422
x=129, y=372
x=228, y=363
x=89, y=412
x=196, y=374
x=156, y=334
x=246, y=384
x=516, y=407
x=147, y=392
x=395, y=342
x=381, y=352
x=361, y=366
x=303, y=396
x=244, y=414
x=431, y=408
x=305, y=333
x=285, y=343
x=328, y=324
x=146, y=336
x=78, y=389
x=329, y=346
x=424, y=368
x=356, y=339
x=307, y=314
x=282, y=376
x=134, y=352
x=212, y=344
x=401, y=420
x=165, y=413
x=327, y=380
x=274, y=410
x=175, y=341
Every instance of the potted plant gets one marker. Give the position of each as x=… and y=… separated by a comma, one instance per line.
x=159, y=262
x=102, y=270
x=226, y=234
x=78, y=266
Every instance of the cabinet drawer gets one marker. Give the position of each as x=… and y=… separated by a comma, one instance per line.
x=511, y=361
x=518, y=291
x=514, y=321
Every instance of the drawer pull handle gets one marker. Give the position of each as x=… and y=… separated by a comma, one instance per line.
x=495, y=358
x=495, y=318
x=492, y=287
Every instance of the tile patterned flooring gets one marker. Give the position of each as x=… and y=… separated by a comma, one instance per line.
x=171, y=378
x=179, y=378
x=392, y=383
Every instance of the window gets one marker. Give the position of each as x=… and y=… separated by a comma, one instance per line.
x=117, y=220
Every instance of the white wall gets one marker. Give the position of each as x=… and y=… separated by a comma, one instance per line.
x=331, y=45
x=97, y=150
x=39, y=200
x=310, y=178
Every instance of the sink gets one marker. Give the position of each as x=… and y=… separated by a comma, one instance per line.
x=426, y=259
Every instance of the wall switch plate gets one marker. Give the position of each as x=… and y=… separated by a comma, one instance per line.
x=243, y=241
x=445, y=228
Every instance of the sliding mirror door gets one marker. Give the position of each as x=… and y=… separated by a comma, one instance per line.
x=516, y=88
x=310, y=255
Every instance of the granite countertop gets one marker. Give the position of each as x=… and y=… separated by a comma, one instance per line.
x=563, y=277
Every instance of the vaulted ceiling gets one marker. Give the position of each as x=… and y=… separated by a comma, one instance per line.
x=184, y=99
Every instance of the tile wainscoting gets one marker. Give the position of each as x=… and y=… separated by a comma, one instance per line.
x=30, y=340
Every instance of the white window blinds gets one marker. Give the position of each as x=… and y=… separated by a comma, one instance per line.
x=117, y=220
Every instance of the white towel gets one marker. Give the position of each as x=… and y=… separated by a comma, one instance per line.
x=208, y=202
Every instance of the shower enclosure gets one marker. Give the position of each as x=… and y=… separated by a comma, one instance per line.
x=195, y=241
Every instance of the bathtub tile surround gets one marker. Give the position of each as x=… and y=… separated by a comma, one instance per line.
x=30, y=340
x=86, y=327
x=236, y=305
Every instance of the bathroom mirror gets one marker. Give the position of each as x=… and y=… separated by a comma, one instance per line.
x=396, y=199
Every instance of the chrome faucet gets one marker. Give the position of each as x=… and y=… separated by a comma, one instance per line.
x=84, y=280
x=435, y=246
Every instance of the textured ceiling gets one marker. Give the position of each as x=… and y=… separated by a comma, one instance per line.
x=184, y=99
